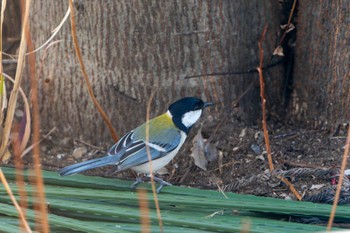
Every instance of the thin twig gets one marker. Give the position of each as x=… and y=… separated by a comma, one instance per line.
x=236, y=101
x=13, y=199
x=184, y=175
x=221, y=190
x=295, y=164
x=54, y=33
x=249, y=71
x=218, y=126
x=285, y=31
x=340, y=182
x=89, y=145
x=224, y=165
x=28, y=149
x=85, y=75
x=288, y=23
x=47, y=42
x=156, y=202
x=269, y=65
x=291, y=188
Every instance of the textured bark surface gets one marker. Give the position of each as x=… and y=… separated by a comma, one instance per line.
x=321, y=75
x=132, y=47
x=11, y=35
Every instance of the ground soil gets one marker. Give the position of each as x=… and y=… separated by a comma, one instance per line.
x=239, y=162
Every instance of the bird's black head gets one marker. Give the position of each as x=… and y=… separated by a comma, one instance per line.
x=187, y=111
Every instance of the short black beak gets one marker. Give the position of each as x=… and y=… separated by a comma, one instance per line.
x=207, y=104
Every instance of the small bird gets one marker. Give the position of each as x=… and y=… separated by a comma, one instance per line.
x=166, y=135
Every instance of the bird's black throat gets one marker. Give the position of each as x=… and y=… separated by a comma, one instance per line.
x=178, y=123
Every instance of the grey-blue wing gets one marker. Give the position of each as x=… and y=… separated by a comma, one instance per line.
x=138, y=158
x=131, y=151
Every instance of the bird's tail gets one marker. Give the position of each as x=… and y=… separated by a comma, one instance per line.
x=87, y=165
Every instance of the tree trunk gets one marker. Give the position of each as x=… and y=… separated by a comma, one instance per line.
x=11, y=35
x=321, y=76
x=133, y=47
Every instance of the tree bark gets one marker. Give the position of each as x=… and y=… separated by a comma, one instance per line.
x=321, y=76
x=133, y=47
x=11, y=35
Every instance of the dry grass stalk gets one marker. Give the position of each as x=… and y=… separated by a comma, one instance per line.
x=18, y=78
x=144, y=211
x=340, y=182
x=3, y=7
x=148, y=111
x=246, y=225
x=27, y=129
x=2, y=81
x=41, y=219
x=16, y=145
x=13, y=199
x=54, y=33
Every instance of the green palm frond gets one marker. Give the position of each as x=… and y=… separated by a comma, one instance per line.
x=93, y=204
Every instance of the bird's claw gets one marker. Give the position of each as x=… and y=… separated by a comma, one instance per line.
x=138, y=181
x=161, y=182
x=161, y=185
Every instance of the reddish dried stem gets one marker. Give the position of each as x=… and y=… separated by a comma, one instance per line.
x=289, y=22
x=263, y=107
x=263, y=99
x=85, y=75
x=41, y=220
x=340, y=182
x=16, y=145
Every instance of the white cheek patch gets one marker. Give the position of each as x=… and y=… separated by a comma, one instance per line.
x=189, y=118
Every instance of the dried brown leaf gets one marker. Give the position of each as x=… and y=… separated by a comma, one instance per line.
x=198, y=151
x=279, y=51
x=288, y=27
x=163, y=171
x=27, y=129
x=79, y=152
x=210, y=151
x=3, y=99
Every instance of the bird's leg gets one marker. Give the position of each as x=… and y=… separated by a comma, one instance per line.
x=138, y=180
x=161, y=182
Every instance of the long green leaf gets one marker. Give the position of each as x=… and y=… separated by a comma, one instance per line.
x=88, y=204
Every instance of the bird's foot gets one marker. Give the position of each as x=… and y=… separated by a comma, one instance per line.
x=138, y=181
x=161, y=182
